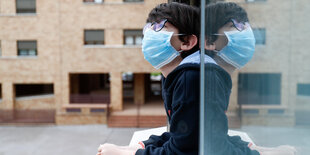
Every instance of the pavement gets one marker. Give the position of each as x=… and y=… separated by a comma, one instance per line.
x=85, y=139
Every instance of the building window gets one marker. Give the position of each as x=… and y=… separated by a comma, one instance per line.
x=27, y=48
x=93, y=1
x=260, y=36
x=25, y=6
x=24, y=90
x=133, y=37
x=303, y=89
x=133, y=0
x=93, y=37
x=259, y=89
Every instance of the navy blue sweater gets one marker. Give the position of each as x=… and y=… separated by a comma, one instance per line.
x=181, y=92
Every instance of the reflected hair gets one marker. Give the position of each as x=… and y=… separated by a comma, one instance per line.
x=184, y=17
x=219, y=14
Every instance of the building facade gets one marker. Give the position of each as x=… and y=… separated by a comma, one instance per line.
x=54, y=53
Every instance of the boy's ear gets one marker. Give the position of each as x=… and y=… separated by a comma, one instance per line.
x=210, y=46
x=189, y=43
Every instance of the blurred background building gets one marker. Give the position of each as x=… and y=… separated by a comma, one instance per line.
x=73, y=61
x=80, y=62
x=274, y=88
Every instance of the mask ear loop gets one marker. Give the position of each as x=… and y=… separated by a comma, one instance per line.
x=218, y=34
x=180, y=34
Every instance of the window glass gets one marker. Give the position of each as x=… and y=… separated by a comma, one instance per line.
x=25, y=6
x=133, y=37
x=270, y=95
x=23, y=52
x=94, y=37
x=138, y=40
x=260, y=35
x=264, y=91
x=27, y=48
x=303, y=89
x=129, y=40
x=23, y=90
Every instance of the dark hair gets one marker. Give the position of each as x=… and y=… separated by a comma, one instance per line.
x=184, y=17
x=218, y=15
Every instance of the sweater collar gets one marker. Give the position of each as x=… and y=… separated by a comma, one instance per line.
x=195, y=59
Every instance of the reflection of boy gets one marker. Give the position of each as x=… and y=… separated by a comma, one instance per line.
x=231, y=43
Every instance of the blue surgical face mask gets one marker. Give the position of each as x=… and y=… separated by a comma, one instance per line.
x=239, y=49
x=157, y=49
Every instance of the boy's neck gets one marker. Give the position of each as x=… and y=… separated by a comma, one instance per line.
x=167, y=69
x=227, y=67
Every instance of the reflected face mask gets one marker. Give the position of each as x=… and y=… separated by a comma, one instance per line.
x=240, y=47
x=157, y=49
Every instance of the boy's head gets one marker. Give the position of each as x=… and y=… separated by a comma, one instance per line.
x=219, y=18
x=180, y=19
x=229, y=36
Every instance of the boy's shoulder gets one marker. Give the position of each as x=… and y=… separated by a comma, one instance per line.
x=193, y=68
x=188, y=71
x=191, y=72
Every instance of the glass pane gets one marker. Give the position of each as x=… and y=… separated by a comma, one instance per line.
x=127, y=76
x=129, y=40
x=270, y=95
x=135, y=35
x=23, y=52
x=22, y=90
x=27, y=47
x=27, y=44
x=32, y=52
x=26, y=6
x=138, y=40
x=260, y=35
x=258, y=89
x=94, y=35
x=133, y=32
x=303, y=89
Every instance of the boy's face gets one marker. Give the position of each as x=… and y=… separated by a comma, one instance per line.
x=175, y=41
x=222, y=40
